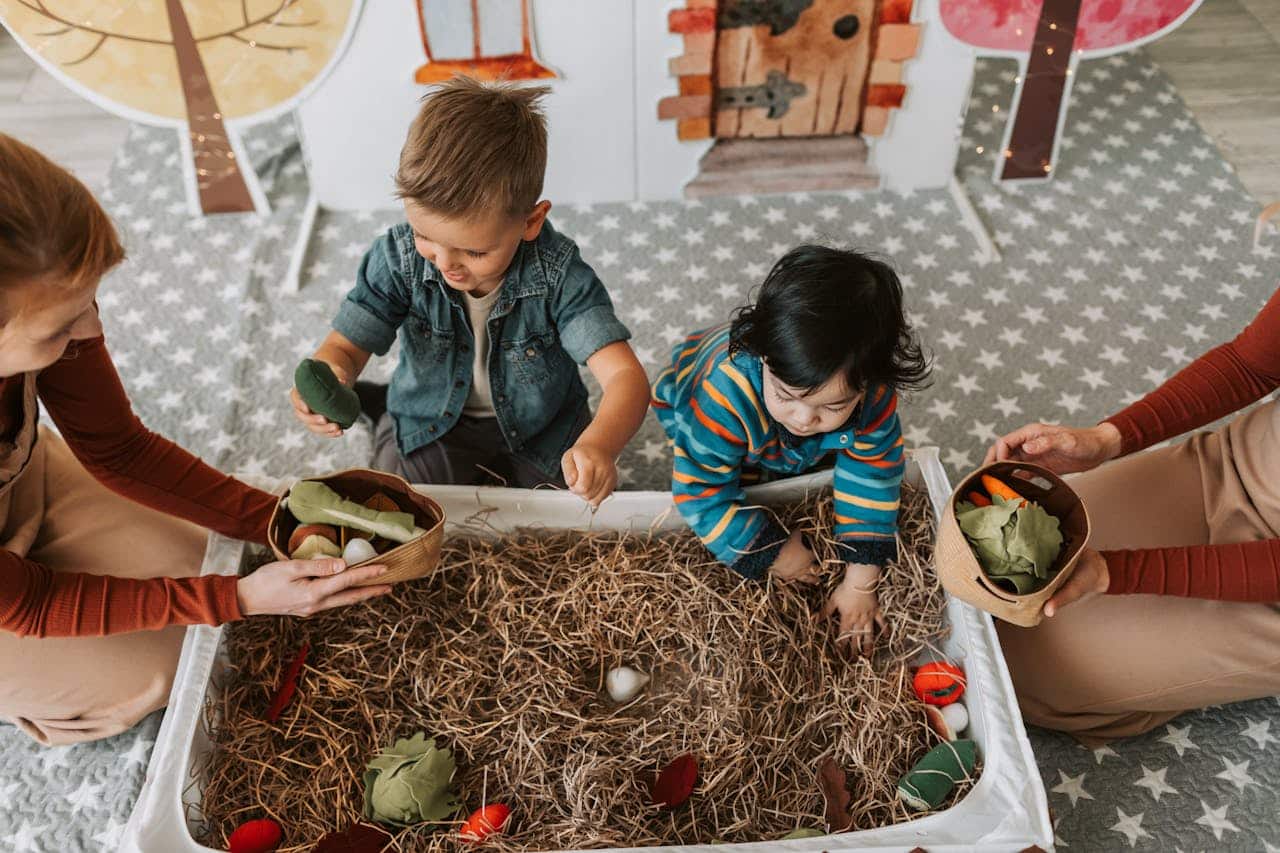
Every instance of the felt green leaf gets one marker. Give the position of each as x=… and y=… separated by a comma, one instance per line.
x=1035, y=537
x=995, y=559
x=410, y=782
x=315, y=503
x=985, y=522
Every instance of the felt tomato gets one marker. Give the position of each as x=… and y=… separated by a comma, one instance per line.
x=484, y=822
x=255, y=836
x=938, y=683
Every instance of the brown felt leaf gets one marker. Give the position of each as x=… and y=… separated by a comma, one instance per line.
x=675, y=783
x=356, y=838
x=382, y=503
x=835, y=792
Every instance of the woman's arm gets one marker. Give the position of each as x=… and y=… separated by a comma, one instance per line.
x=1223, y=380
x=83, y=393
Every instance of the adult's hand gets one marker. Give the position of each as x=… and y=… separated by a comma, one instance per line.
x=1061, y=449
x=305, y=587
x=1091, y=577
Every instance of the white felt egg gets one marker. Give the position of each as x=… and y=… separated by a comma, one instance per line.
x=957, y=716
x=625, y=683
x=357, y=551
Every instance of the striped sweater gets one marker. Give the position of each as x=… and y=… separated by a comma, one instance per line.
x=712, y=409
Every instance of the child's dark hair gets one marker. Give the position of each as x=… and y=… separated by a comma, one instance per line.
x=823, y=311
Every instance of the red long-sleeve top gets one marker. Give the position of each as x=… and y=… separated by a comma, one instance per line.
x=83, y=394
x=1223, y=380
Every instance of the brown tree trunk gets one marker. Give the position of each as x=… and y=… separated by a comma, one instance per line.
x=218, y=177
x=1035, y=117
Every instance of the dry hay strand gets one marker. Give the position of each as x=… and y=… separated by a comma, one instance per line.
x=501, y=655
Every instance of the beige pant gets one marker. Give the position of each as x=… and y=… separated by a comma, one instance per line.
x=60, y=690
x=1116, y=666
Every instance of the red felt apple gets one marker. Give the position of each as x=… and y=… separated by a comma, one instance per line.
x=675, y=783
x=288, y=685
x=485, y=822
x=255, y=836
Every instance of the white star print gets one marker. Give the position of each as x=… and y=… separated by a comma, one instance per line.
x=1154, y=782
x=1237, y=774
x=1130, y=827
x=1178, y=738
x=1216, y=820
x=1072, y=787
x=1260, y=733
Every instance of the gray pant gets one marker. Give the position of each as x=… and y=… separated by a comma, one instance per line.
x=473, y=453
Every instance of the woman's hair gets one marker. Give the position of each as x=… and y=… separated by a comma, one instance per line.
x=50, y=224
x=824, y=311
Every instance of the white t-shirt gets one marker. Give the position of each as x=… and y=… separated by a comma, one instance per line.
x=479, y=402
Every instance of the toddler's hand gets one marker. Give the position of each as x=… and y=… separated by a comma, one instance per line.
x=590, y=473
x=795, y=562
x=859, y=608
x=318, y=424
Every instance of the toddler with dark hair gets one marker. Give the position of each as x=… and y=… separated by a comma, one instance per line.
x=810, y=371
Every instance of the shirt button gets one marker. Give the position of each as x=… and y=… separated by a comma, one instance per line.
x=502, y=398
x=448, y=414
x=530, y=352
x=844, y=439
x=459, y=384
x=431, y=428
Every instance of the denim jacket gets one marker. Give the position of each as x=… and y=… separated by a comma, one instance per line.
x=552, y=314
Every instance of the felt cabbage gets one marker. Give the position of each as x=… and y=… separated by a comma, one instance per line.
x=315, y=503
x=1016, y=545
x=410, y=782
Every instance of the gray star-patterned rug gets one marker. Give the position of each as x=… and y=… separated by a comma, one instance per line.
x=1134, y=259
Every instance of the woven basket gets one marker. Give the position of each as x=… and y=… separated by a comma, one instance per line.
x=407, y=561
x=958, y=568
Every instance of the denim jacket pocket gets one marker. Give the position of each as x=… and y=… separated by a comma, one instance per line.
x=536, y=359
x=427, y=344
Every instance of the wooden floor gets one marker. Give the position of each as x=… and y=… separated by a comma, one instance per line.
x=1225, y=62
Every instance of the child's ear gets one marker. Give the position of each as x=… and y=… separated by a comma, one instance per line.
x=533, y=223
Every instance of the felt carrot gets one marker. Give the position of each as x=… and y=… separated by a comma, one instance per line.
x=977, y=498
x=998, y=489
x=485, y=821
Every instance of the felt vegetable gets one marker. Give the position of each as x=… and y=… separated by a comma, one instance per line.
x=956, y=715
x=1015, y=541
x=947, y=721
x=358, y=550
x=315, y=503
x=803, y=832
x=288, y=684
x=978, y=498
x=356, y=838
x=255, y=836
x=315, y=546
x=834, y=785
x=410, y=782
x=320, y=389
x=675, y=783
x=998, y=489
x=302, y=531
x=933, y=777
x=938, y=683
x=484, y=822
x=624, y=683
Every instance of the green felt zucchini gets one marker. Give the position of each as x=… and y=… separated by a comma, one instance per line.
x=324, y=394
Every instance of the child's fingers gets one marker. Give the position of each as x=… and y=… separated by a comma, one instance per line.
x=569, y=467
x=587, y=473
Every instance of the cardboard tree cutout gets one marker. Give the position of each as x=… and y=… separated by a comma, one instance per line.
x=202, y=67
x=1049, y=37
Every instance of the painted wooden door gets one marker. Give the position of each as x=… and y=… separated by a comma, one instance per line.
x=791, y=67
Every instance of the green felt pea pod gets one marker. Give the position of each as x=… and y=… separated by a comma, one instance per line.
x=927, y=785
x=321, y=390
x=315, y=503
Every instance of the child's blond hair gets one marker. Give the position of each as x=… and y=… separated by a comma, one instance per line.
x=476, y=148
